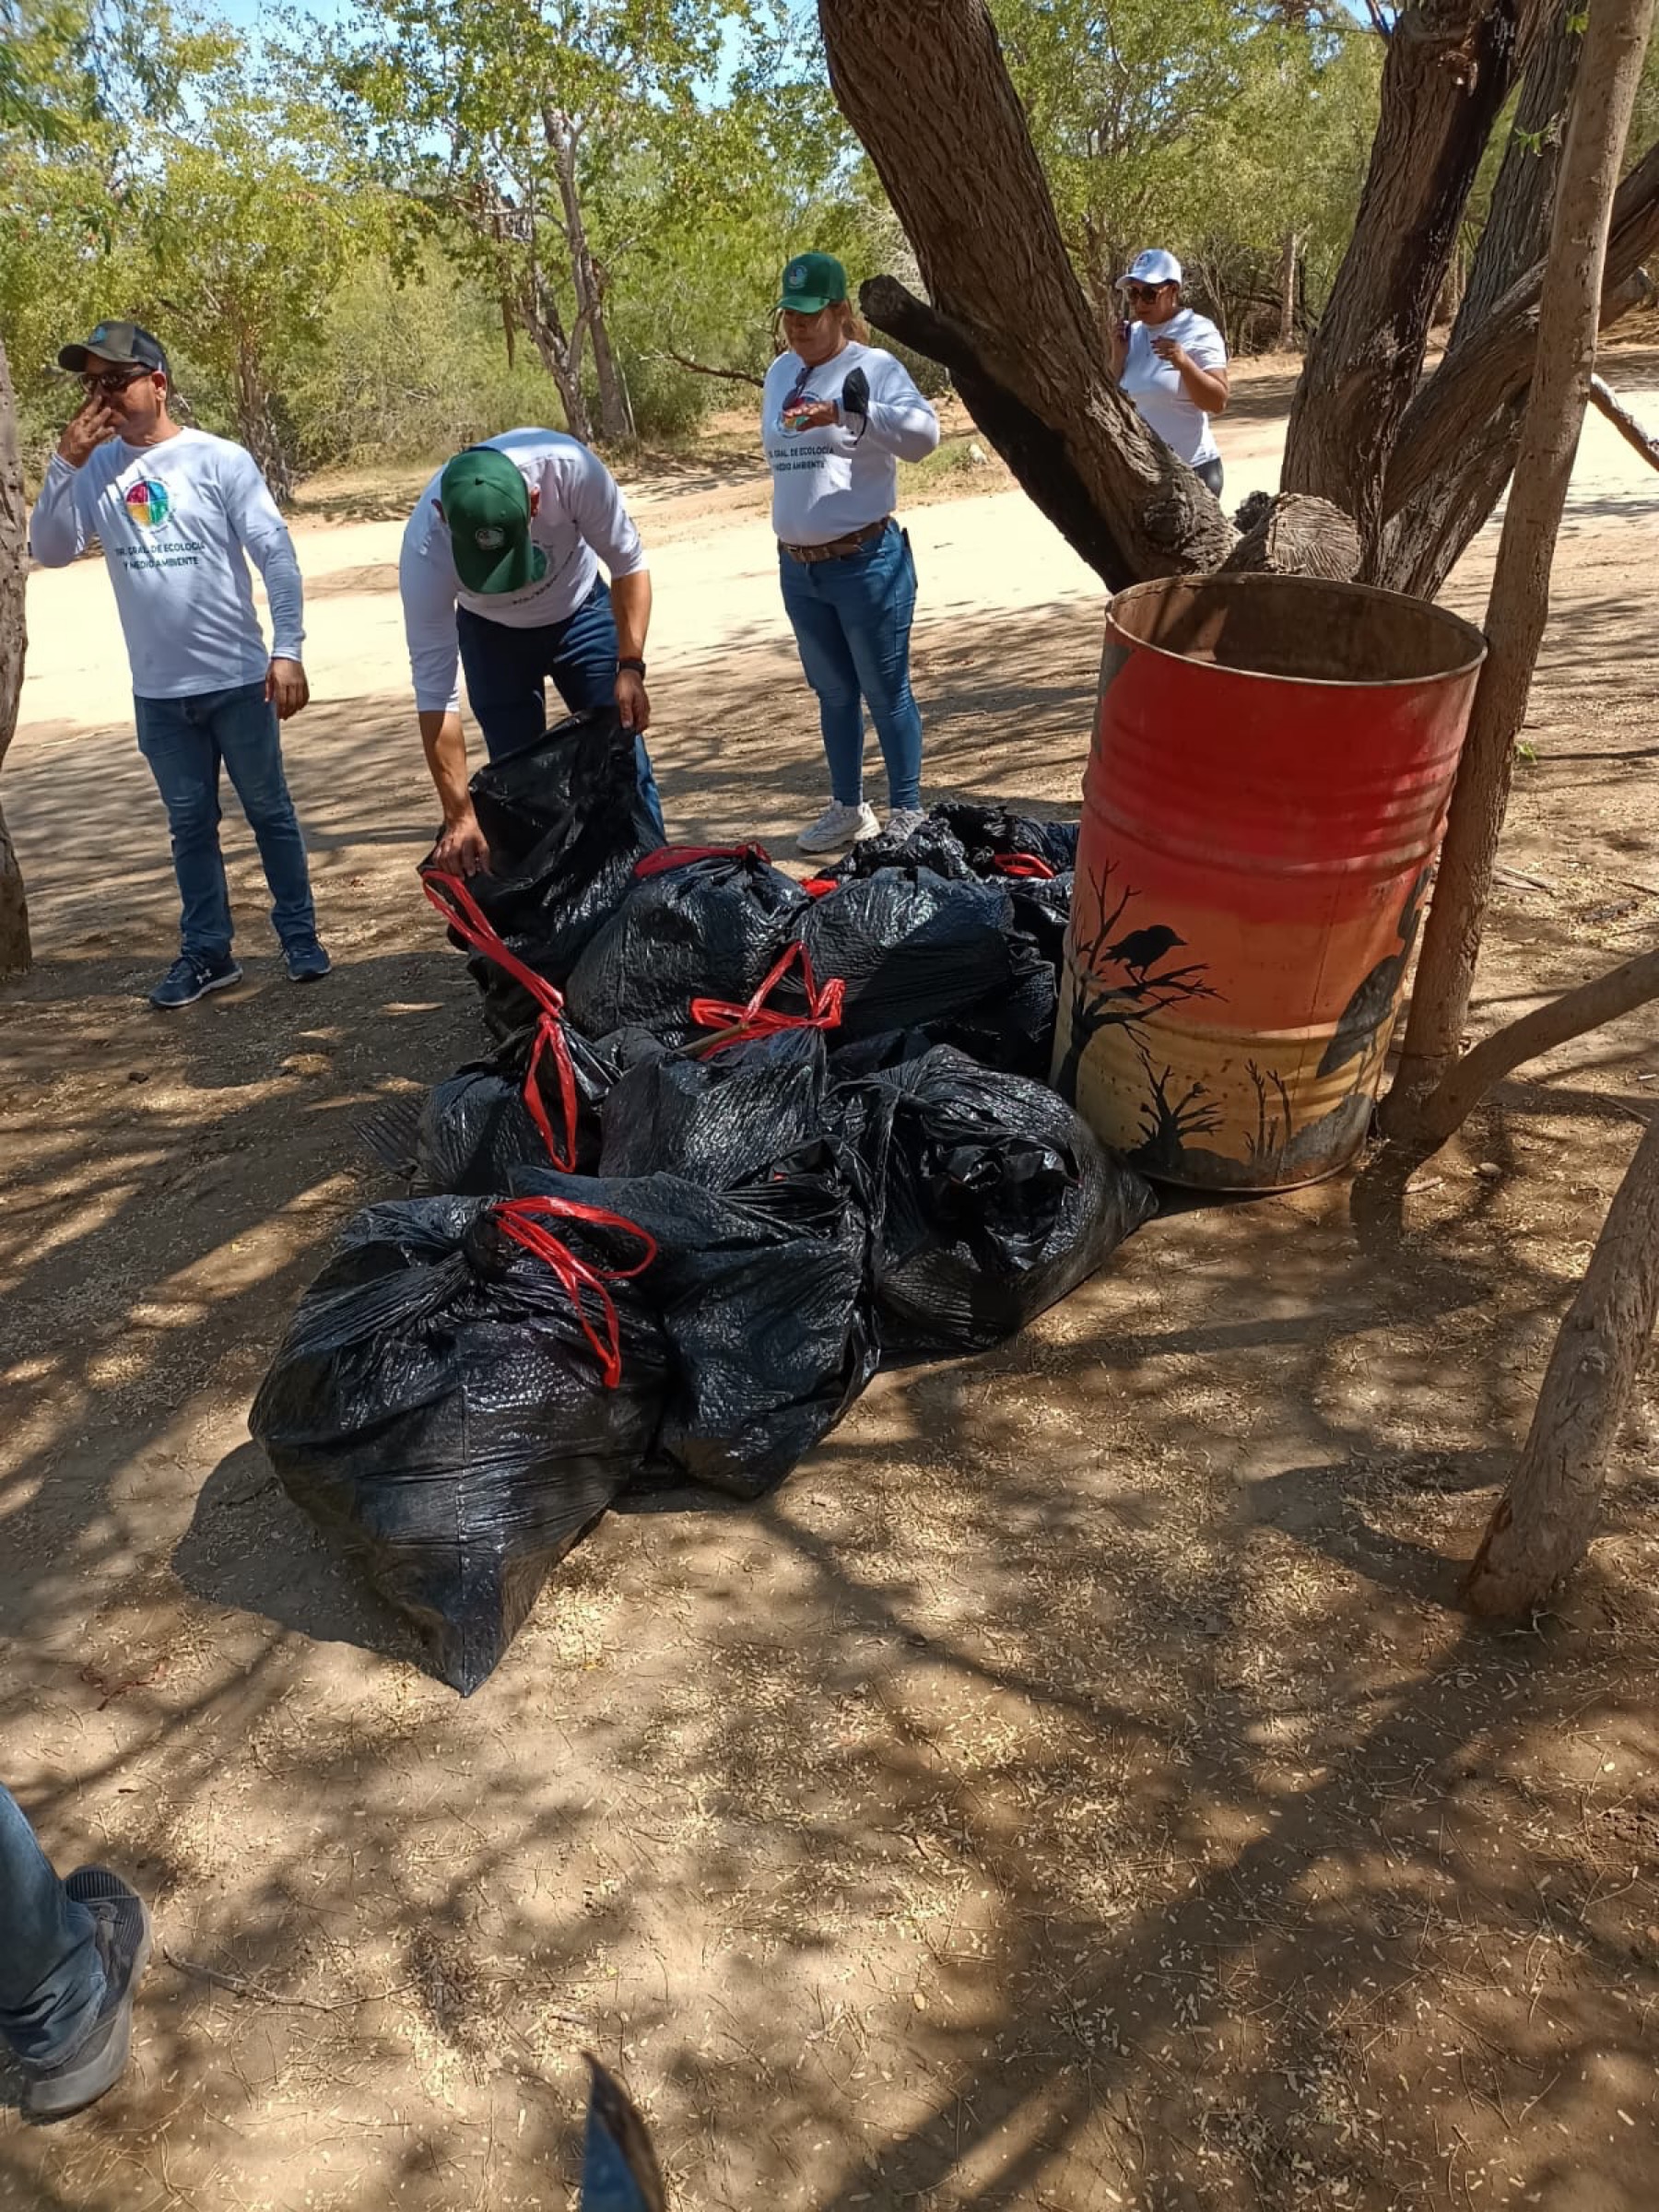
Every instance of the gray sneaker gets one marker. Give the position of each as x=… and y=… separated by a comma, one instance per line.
x=904, y=822
x=122, y=1936
x=837, y=827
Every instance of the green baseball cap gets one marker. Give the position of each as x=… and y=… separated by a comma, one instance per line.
x=485, y=504
x=812, y=281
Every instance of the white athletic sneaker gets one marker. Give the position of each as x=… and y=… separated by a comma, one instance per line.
x=903, y=822
x=837, y=827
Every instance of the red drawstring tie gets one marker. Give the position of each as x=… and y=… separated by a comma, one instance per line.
x=819, y=886
x=466, y=919
x=681, y=856
x=1028, y=864
x=758, y=1020
x=524, y=1221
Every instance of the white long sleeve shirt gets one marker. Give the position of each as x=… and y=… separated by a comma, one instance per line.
x=580, y=520
x=179, y=523
x=827, y=482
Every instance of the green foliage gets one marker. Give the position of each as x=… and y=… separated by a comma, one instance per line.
x=1215, y=128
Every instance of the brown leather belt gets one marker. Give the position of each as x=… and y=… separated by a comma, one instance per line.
x=836, y=548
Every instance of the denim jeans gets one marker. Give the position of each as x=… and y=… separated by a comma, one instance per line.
x=185, y=740
x=507, y=672
x=852, y=621
x=51, y=1979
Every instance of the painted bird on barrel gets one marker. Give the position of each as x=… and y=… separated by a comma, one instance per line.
x=1143, y=949
x=619, y=2169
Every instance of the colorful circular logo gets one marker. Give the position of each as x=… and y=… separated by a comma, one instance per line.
x=148, y=503
x=795, y=276
x=489, y=539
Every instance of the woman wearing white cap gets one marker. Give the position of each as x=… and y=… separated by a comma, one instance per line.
x=1171, y=362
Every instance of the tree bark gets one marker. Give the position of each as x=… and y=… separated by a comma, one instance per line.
x=16, y=954
x=615, y=410
x=1299, y=536
x=1289, y=248
x=1449, y=67
x=1544, y=1525
x=1519, y=606
x=1607, y=404
x=1457, y=445
x=255, y=428
x=1463, y=1086
x=925, y=88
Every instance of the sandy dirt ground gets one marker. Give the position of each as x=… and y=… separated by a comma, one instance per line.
x=1076, y=1788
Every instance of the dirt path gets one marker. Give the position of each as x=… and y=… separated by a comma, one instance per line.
x=1073, y=1789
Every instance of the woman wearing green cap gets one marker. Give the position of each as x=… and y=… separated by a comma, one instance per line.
x=837, y=416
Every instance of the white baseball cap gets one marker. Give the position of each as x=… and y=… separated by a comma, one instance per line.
x=1154, y=266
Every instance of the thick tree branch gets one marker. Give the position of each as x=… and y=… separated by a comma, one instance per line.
x=1605, y=999
x=1449, y=67
x=1546, y=1520
x=927, y=89
x=730, y=376
x=1471, y=383
x=1607, y=403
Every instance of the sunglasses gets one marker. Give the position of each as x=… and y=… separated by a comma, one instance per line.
x=1143, y=291
x=116, y=380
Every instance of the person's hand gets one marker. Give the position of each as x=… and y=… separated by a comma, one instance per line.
x=1172, y=352
x=812, y=415
x=92, y=425
x=633, y=703
x=286, y=687
x=462, y=850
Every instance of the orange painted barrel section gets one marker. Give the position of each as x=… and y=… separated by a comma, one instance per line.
x=1267, y=793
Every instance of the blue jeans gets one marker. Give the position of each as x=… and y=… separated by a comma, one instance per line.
x=51, y=1979
x=852, y=621
x=185, y=740
x=507, y=672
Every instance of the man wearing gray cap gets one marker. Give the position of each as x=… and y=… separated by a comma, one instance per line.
x=179, y=514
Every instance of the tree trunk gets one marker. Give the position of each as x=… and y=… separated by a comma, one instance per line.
x=1457, y=445
x=1519, y=606
x=925, y=88
x=1544, y=1525
x=1449, y=67
x=560, y=355
x=615, y=410
x=1289, y=248
x=256, y=429
x=16, y=955
x=1419, y=546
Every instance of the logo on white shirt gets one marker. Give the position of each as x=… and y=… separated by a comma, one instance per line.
x=148, y=503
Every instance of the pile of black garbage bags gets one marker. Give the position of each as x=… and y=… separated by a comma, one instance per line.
x=740, y=1141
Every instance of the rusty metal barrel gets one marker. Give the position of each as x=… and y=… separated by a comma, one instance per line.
x=1267, y=793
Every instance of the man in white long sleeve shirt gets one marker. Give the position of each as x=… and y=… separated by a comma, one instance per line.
x=179, y=513
x=500, y=577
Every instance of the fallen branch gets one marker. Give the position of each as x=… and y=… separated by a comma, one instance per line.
x=1458, y=1092
x=237, y=1985
x=1545, y=1519
x=681, y=360
x=1606, y=402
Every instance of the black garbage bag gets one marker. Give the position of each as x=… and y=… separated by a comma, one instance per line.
x=1043, y=912
x=990, y=1199
x=996, y=840
x=908, y=948
x=706, y=921
x=579, y=791
x=932, y=845
x=1012, y=1029
x=763, y=1296
x=533, y=1102
x=719, y=1118
x=463, y=1390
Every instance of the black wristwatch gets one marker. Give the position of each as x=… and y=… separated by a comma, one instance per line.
x=638, y=668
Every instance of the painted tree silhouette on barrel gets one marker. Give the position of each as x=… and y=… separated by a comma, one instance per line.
x=1141, y=956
